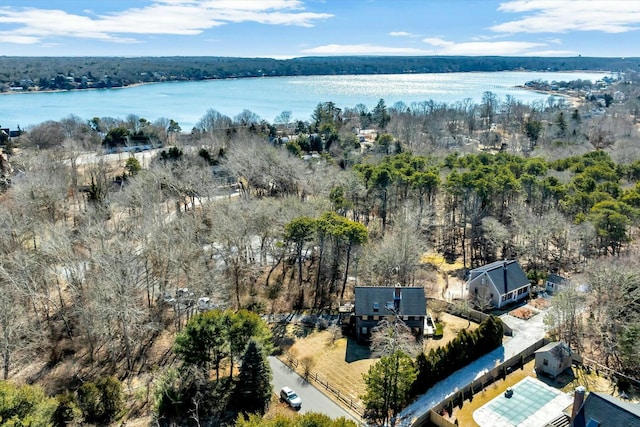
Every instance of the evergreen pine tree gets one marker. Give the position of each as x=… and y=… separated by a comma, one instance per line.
x=254, y=381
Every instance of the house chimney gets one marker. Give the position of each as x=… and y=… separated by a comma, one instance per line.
x=578, y=399
x=504, y=272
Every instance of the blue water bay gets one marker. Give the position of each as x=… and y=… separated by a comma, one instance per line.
x=187, y=102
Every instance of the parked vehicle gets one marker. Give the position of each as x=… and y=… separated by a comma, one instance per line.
x=290, y=396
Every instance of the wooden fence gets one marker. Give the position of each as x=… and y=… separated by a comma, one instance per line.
x=347, y=400
x=611, y=373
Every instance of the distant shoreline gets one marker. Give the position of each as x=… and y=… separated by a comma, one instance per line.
x=26, y=92
x=306, y=75
x=575, y=100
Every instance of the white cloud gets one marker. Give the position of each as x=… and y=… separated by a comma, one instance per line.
x=437, y=41
x=364, y=49
x=485, y=37
x=177, y=17
x=401, y=34
x=6, y=37
x=499, y=48
x=559, y=16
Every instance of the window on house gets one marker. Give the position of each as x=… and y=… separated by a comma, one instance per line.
x=364, y=330
x=365, y=317
x=376, y=307
x=376, y=317
x=545, y=362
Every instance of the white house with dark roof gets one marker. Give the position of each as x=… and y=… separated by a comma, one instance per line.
x=374, y=303
x=498, y=284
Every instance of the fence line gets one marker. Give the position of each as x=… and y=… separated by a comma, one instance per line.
x=472, y=314
x=311, y=375
x=611, y=372
x=500, y=371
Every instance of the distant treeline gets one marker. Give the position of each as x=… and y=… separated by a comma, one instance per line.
x=48, y=73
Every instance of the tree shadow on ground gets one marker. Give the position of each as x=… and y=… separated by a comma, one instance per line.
x=281, y=338
x=356, y=351
x=561, y=381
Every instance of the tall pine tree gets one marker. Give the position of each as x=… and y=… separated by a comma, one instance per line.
x=254, y=381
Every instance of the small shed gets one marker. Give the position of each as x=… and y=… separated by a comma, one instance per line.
x=553, y=359
x=554, y=283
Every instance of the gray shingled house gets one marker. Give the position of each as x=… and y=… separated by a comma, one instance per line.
x=498, y=284
x=374, y=303
x=602, y=410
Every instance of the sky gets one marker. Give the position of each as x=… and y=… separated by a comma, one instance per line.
x=294, y=28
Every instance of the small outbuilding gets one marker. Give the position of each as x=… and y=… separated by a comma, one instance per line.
x=554, y=283
x=553, y=359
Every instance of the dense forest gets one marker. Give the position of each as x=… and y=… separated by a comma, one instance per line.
x=65, y=73
x=109, y=262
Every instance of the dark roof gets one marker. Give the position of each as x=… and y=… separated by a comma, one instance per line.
x=558, y=349
x=515, y=277
x=607, y=411
x=412, y=300
x=554, y=278
x=553, y=345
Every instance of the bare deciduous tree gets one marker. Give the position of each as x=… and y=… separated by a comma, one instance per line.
x=393, y=335
x=564, y=319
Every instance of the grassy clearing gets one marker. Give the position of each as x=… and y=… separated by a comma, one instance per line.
x=439, y=262
x=452, y=325
x=341, y=363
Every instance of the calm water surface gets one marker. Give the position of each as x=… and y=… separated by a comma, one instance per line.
x=187, y=102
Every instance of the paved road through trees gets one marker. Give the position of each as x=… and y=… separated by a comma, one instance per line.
x=312, y=399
